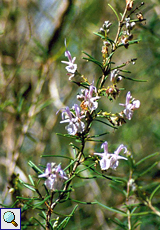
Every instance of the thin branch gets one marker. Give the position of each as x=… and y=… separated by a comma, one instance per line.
x=119, y=29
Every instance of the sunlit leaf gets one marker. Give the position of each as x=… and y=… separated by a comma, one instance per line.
x=114, y=12
x=34, y=167
x=27, y=185
x=154, y=191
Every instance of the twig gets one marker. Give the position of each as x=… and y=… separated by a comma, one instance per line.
x=149, y=204
x=71, y=174
x=119, y=29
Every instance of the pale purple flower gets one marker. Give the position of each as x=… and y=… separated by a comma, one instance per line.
x=105, y=27
x=115, y=77
x=129, y=25
x=88, y=98
x=54, y=175
x=71, y=67
x=130, y=106
x=110, y=160
x=107, y=24
x=48, y=171
x=74, y=119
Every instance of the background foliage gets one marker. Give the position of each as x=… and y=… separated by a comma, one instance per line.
x=34, y=85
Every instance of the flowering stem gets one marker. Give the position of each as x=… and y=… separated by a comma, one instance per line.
x=119, y=29
x=106, y=70
x=71, y=174
x=49, y=212
x=77, y=163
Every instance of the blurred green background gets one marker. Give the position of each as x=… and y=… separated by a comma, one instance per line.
x=34, y=85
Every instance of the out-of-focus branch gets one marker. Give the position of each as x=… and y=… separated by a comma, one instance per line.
x=30, y=115
x=44, y=68
x=60, y=24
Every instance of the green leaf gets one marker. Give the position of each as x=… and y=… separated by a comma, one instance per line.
x=95, y=140
x=64, y=223
x=147, y=170
x=42, y=225
x=134, y=209
x=72, y=163
x=115, y=179
x=34, y=167
x=27, y=198
x=132, y=79
x=88, y=55
x=137, y=224
x=88, y=178
x=74, y=147
x=26, y=206
x=134, y=41
x=92, y=59
x=31, y=180
x=131, y=205
x=118, y=189
x=146, y=158
x=13, y=205
x=154, y=191
x=130, y=42
x=26, y=185
x=83, y=84
x=150, y=185
x=99, y=34
x=86, y=167
x=106, y=124
x=67, y=135
x=111, y=41
x=82, y=202
x=42, y=215
x=28, y=223
x=119, y=223
x=98, y=82
x=42, y=202
x=108, y=59
x=124, y=70
x=114, y=12
x=142, y=213
x=51, y=155
x=99, y=135
x=111, y=209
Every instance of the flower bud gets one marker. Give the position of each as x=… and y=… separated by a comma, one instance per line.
x=129, y=4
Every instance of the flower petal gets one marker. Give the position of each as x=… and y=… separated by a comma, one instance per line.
x=105, y=147
x=120, y=148
x=136, y=104
x=105, y=163
x=71, y=129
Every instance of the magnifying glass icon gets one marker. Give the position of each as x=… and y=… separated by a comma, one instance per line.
x=9, y=217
